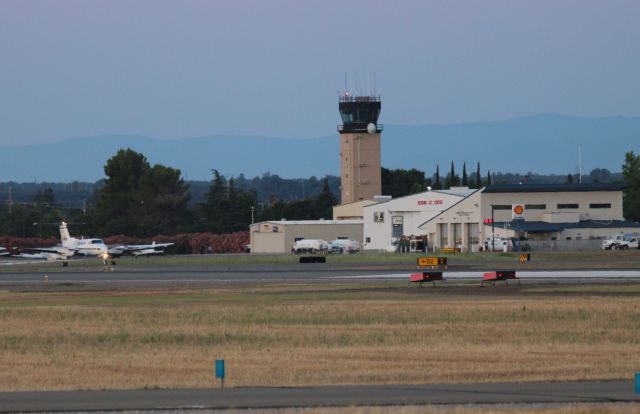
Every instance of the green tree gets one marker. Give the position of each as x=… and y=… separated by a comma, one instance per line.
x=138, y=199
x=478, y=178
x=569, y=179
x=437, y=185
x=399, y=182
x=452, y=179
x=464, y=174
x=631, y=197
x=325, y=201
x=227, y=208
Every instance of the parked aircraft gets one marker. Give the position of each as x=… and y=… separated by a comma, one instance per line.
x=72, y=246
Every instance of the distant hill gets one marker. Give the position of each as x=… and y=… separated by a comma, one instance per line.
x=543, y=144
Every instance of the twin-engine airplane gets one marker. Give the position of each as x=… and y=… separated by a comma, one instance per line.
x=72, y=247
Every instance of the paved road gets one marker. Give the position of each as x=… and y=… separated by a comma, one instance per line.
x=182, y=275
x=216, y=398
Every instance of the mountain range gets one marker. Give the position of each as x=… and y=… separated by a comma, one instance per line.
x=548, y=143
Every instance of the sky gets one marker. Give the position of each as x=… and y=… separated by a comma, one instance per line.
x=174, y=69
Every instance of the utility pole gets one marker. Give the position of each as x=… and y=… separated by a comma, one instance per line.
x=493, y=236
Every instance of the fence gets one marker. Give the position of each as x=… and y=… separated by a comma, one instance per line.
x=561, y=245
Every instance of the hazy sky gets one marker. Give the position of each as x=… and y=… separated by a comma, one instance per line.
x=193, y=68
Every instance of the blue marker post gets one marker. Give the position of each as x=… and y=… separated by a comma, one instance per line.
x=220, y=371
x=637, y=382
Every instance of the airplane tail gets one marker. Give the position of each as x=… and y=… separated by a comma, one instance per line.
x=64, y=234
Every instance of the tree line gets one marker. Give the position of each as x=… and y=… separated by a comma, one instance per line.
x=142, y=200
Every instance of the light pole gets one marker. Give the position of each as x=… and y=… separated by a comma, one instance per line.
x=252, y=208
x=493, y=237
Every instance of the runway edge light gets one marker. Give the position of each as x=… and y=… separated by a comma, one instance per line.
x=220, y=371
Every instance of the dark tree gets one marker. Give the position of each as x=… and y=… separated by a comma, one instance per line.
x=436, y=181
x=488, y=177
x=398, y=183
x=631, y=197
x=139, y=200
x=569, y=179
x=325, y=201
x=478, y=178
x=464, y=174
x=452, y=179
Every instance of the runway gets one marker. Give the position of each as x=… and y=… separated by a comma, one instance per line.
x=185, y=275
x=271, y=397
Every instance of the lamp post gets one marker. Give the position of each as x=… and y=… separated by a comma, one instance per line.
x=493, y=237
x=252, y=208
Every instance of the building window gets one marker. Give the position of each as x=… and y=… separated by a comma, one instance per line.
x=367, y=239
x=501, y=206
x=568, y=206
x=298, y=239
x=378, y=216
x=600, y=205
x=535, y=206
x=274, y=229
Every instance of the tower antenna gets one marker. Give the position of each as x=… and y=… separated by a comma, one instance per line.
x=579, y=165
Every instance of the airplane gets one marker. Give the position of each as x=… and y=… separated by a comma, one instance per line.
x=4, y=251
x=73, y=247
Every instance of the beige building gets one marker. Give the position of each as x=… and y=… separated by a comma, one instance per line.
x=354, y=211
x=279, y=236
x=550, y=212
x=360, y=167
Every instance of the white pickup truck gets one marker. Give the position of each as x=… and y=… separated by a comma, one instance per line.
x=310, y=246
x=344, y=246
x=621, y=242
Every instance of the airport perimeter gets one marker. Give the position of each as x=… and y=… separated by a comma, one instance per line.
x=347, y=323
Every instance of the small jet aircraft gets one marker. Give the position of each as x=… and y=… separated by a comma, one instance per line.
x=72, y=247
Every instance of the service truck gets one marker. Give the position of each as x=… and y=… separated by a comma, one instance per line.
x=621, y=242
x=310, y=246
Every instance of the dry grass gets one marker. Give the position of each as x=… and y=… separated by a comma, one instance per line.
x=313, y=334
x=488, y=409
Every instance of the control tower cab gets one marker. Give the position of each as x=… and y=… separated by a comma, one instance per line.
x=360, y=169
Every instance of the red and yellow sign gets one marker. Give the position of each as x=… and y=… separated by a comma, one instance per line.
x=517, y=211
x=432, y=261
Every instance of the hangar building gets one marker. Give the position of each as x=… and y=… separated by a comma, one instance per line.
x=461, y=217
x=279, y=236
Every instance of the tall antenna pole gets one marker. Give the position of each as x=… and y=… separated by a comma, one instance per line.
x=579, y=165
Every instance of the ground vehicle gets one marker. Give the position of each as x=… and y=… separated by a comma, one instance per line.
x=621, y=242
x=344, y=246
x=499, y=244
x=310, y=246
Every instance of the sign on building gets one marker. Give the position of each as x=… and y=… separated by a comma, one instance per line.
x=517, y=212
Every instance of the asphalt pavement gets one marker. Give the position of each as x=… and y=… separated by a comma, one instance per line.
x=335, y=396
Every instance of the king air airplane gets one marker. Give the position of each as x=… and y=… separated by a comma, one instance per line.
x=72, y=247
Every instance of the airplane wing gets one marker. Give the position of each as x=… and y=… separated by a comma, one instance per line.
x=139, y=249
x=56, y=252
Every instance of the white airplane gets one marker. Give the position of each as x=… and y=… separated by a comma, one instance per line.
x=92, y=247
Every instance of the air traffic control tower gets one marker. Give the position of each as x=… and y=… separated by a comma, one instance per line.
x=360, y=176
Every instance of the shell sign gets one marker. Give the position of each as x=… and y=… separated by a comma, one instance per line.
x=517, y=211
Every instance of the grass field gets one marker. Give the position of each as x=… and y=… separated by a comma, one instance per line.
x=317, y=333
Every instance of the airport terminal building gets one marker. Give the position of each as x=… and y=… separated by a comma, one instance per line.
x=463, y=218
